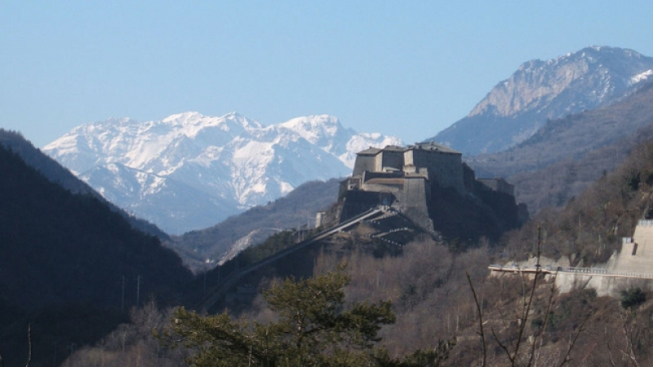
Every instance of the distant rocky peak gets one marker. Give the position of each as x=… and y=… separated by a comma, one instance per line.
x=539, y=91
x=592, y=76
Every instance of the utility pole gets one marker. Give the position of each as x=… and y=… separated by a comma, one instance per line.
x=205, y=282
x=122, y=298
x=54, y=355
x=138, y=291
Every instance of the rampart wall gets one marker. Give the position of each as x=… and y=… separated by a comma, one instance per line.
x=389, y=158
x=604, y=285
x=413, y=199
x=445, y=169
x=364, y=163
x=631, y=267
x=637, y=252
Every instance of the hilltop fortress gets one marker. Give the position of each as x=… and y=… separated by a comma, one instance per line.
x=423, y=181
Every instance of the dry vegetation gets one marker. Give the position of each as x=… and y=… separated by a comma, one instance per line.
x=591, y=226
x=525, y=323
x=569, y=154
x=428, y=287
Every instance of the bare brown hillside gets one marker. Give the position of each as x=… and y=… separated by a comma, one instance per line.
x=567, y=155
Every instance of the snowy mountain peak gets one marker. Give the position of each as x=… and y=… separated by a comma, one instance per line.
x=180, y=171
x=190, y=123
x=315, y=128
x=184, y=118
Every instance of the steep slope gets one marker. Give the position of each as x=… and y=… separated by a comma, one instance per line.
x=59, y=175
x=589, y=228
x=223, y=164
x=65, y=260
x=518, y=107
x=141, y=192
x=207, y=247
x=568, y=154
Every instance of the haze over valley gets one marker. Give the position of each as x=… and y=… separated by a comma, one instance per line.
x=110, y=227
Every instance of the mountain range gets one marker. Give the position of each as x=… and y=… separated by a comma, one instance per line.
x=539, y=91
x=190, y=171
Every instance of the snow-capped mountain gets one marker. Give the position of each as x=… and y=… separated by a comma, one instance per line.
x=190, y=171
x=539, y=90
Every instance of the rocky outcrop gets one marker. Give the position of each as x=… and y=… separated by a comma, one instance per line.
x=540, y=90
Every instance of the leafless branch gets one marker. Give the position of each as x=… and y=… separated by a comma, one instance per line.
x=29, y=345
x=629, y=336
x=610, y=354
x=503, y=346
x=480, y=319
x=537, y=335
x=581, y=328
x=527, y=305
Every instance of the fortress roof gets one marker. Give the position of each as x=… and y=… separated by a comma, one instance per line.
x=431, y=145
x=393, y=148
x=369, y=151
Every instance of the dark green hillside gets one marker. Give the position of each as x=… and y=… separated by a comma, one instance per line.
x=62, y=262
x=56, y=173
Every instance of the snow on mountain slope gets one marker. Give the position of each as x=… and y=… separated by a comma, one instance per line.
x=519, y=106
x=326, y=132
x=189, y=171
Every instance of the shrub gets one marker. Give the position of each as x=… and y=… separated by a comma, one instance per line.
x=632, y=298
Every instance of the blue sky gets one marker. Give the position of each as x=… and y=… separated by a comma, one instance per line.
x=403, y=68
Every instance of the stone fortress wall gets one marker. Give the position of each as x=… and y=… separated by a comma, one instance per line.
x=637, y=252
x=498, y=184
x=439, y=164
x=410, y=174
x=628, y=268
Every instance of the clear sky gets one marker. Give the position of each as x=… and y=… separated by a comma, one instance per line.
x=404, y=68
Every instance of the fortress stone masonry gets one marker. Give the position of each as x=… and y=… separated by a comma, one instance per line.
x=406, y=177
x=629, y=268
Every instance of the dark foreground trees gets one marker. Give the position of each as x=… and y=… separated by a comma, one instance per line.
x=312, y=328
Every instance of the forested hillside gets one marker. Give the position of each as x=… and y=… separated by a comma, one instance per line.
x=427, y=282
x=64, y=260
x=591, y=226
x=61, y=176
x=568, y=154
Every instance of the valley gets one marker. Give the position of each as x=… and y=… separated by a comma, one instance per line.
x=230, y=221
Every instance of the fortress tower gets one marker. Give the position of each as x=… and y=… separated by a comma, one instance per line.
x=405, y=178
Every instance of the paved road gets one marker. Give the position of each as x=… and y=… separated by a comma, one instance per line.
x=571, y=270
